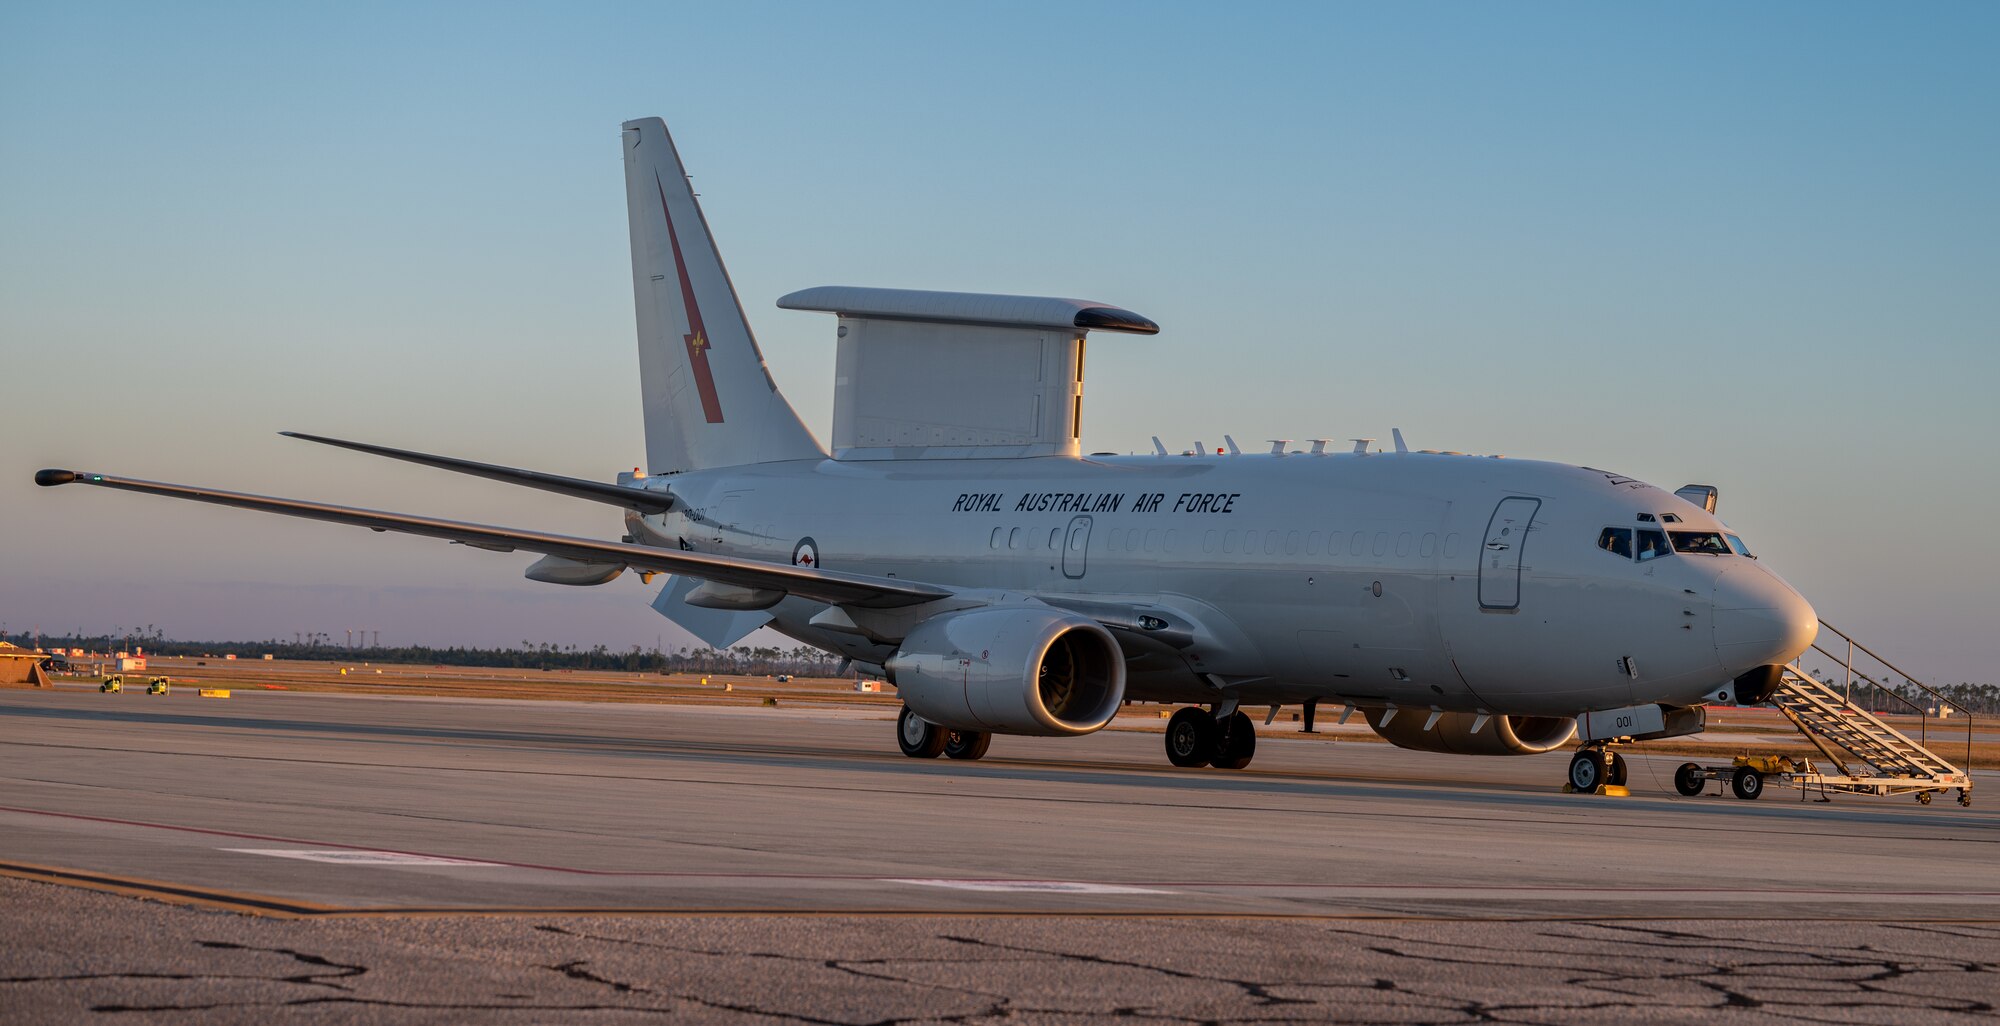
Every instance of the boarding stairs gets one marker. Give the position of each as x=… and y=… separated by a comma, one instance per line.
x=1868, y=755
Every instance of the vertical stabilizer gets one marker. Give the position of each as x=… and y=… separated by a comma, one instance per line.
x=709, y=400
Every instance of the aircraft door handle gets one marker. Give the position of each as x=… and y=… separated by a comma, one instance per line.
x=1497, y=546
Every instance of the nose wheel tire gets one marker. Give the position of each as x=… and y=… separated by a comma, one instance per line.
x=1235, y=750
x=1747, y=783
x=966, y=744
x=1190, y=738
x=918, y=737
x=1689, y=780
x=1586, y=771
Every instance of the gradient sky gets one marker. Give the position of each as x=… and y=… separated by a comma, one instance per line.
x=1755, y=246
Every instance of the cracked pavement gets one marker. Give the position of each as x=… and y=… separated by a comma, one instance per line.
x=76, y=956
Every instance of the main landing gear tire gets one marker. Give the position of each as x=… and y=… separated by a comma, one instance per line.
x=1747, y=783
x=1236, y=747
x=1586, y=771
x=966, y=744
x=1190, y=738
x=918, y=737
x=1617, y=770
x=1689, y=780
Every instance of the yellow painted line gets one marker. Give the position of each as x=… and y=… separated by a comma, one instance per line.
x=213, y=693
x=160, y=890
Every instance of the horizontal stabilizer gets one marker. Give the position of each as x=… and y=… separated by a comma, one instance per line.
x=640, y=499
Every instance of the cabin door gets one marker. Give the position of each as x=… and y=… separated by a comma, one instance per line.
x=1076, y=548
x=1500, y=559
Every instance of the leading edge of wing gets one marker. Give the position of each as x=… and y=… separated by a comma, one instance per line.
x=830, y=586
x=641, y=499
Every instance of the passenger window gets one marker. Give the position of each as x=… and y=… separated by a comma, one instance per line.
x=1055, y=537
x=1616, y=540
x=1014, y=538
x=1652, y=545
x=1737, y=544
x=994, y=543
x=1706, y=542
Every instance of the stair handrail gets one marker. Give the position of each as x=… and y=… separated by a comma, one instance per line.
x=1923, y=718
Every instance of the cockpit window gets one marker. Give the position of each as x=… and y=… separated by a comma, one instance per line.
x=1617, y=540
x=1652, y=545
x=1708, y=542
x=1737, y=544
x=1669, y=518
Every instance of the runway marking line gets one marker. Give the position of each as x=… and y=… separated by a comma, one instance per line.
x=1027, y=886
x=359, y=857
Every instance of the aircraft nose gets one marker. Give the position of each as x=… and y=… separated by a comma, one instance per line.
x=1760, y=620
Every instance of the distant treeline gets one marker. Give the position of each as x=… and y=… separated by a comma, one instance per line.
x=802, y=660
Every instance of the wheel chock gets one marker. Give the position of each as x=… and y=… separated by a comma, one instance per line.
x=1607, y=790
x=771, y=703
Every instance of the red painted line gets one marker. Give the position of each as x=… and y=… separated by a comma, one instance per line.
x=657, y=874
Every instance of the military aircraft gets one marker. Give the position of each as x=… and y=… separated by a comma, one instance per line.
x=955, y=540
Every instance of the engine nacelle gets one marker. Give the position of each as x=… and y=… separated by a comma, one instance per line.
x=1011, y=670
x=1453, y=733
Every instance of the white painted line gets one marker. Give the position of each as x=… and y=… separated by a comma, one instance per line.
x=348, y=856
x=1034, y=886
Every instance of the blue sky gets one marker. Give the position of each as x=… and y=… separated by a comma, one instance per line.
x=1754, y=246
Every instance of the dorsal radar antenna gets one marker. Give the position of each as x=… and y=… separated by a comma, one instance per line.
x=1319, y=445
x=1398, y=434
x=1278, y=446
x=1361, y=446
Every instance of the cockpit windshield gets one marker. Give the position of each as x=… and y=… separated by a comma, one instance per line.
x=1737, y=544
x=1707, y=542
x=1652, y=545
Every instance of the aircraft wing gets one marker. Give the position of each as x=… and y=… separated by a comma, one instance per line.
x=828, y=586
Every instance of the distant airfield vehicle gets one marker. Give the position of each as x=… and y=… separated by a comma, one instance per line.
x=956, y=543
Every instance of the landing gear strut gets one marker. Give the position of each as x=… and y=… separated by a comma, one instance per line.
x=1196, y=737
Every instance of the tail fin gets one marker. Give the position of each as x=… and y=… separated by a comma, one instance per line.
x=709, y=400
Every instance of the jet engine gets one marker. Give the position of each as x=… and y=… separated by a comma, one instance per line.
x=1453, y=733
x=1011, y=670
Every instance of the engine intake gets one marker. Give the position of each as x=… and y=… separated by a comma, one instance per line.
x=1011, y=669
x=1453, y=734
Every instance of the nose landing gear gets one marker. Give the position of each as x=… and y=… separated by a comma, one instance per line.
x=1596, y=769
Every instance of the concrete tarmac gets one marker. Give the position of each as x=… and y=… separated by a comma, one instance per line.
x=376, y=827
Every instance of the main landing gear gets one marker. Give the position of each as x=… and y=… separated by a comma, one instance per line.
x=1196, y=737
x=921, y=739
x=1595, y=769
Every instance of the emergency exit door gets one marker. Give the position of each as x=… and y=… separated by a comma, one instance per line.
x=1500, y=559
x=1076, y=547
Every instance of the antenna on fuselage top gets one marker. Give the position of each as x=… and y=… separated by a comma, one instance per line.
x=1361, y=446
x=1398, y=433
x=1231, y=443
x=1158, y=449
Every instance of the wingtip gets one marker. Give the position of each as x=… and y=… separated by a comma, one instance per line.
x=51, y=478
